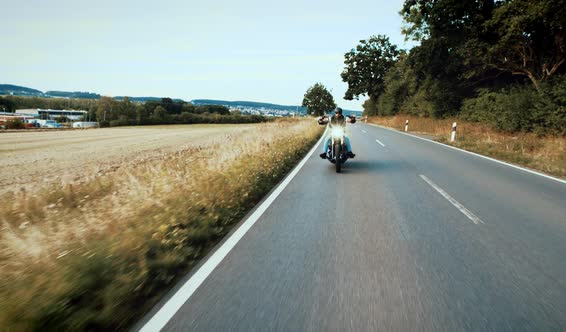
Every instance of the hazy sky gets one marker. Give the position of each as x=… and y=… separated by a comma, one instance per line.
x=268, y=51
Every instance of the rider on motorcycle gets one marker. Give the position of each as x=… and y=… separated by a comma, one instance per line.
x=337, y=120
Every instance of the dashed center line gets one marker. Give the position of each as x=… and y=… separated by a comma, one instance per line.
x=378, y=141
x=363, y=131
x=454, y=202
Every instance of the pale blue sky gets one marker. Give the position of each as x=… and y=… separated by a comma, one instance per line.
x=234, y=50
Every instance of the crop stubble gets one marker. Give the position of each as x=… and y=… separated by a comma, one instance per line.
x=33, y=159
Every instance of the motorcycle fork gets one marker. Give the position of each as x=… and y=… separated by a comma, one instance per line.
x=332, y=147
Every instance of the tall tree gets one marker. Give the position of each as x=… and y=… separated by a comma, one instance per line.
x=159, y=113
x=450, y=33
x=449, y=19
x=127, y=110
x=318, y=100
x=531, y=38
x=400, y=83
x=477, y=38
x=7, y=105
x=107, y=109
x=367, y=65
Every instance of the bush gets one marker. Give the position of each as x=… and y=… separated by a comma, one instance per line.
x=188, y=118
x=387, y=104
x=418, y=104
x=507, y=111
x=521, y=108
x=223, y=110
x=123, y=122
x=15, y=124
x=551, y=107
x=370, y=107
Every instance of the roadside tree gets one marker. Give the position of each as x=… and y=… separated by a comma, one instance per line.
x=531, y=40
x=318, y=99
x=7, y=105
x=367, y=65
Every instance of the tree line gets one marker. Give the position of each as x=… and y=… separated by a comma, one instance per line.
x=110, y=112
x=497, y=62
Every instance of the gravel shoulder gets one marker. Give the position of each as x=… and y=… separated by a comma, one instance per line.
x=34, y=159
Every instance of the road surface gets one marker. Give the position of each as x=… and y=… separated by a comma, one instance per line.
x=412, y=236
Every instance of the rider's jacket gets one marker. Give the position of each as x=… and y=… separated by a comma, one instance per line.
x=337, y=121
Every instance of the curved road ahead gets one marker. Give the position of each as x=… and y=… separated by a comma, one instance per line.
x=412, y=236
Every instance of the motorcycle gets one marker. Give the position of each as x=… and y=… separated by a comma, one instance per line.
x=337, y=150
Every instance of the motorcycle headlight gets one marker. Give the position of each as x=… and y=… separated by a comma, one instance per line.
x=337, y=132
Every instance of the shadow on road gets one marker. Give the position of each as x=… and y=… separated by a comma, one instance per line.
x=368, y=166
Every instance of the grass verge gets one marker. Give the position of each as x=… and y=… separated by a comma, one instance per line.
x=95, y=256
x=546, y=154
x=543, y=153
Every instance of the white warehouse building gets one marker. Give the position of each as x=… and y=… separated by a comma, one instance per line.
x=52, y=114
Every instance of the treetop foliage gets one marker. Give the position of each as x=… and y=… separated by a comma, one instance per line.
x=318, y=100
x=486, y=60
x=366, y=66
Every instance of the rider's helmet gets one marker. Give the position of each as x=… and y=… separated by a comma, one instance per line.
x=338, y=110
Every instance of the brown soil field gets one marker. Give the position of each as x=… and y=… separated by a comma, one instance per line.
x=29, y=160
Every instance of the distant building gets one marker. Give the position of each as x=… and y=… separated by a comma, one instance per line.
x=52, y=114
x=84, y=124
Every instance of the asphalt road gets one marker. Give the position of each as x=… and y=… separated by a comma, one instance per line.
x=412, y=236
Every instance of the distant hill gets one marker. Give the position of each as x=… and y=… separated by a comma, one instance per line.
x=76, y=94
x=144, y=99
x=16, y=90
x=9, y=89
x=250, y=104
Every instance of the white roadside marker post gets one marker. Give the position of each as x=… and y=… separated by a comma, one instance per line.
x=453, y=133
x=406, y=125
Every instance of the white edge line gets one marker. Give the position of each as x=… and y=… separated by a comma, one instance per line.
x=454, y=202
x=475, y=154
x=378, y=141
x=165, y=313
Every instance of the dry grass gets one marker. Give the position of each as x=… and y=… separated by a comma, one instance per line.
x=27, y=158
x=546, y=154
x=96, y=254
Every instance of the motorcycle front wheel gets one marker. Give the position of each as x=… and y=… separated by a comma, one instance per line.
x=338, y=154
